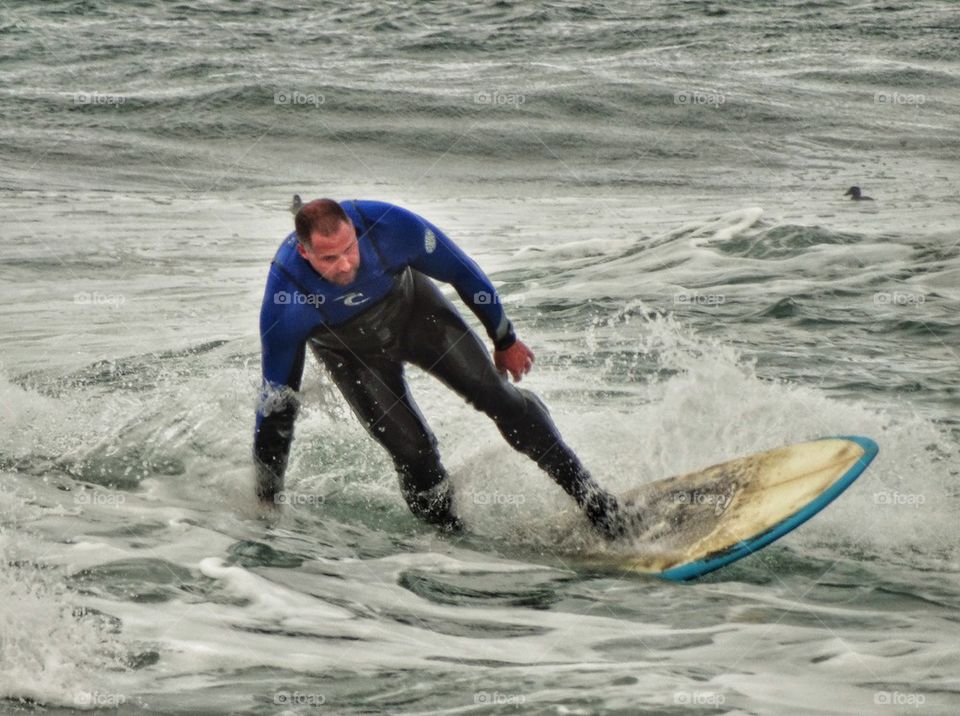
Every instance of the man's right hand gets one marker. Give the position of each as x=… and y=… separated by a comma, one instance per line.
x=269, y=484
x=271, y=448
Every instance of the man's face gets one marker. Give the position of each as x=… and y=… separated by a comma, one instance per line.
x=335, y=257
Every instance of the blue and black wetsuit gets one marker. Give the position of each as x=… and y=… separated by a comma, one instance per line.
x=363, y=333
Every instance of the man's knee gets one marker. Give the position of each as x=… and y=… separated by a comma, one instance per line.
x=499, y=400
x=517, y=407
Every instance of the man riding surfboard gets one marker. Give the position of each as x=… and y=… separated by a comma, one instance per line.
x=353, y=282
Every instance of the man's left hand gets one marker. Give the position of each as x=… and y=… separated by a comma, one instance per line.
x=517, y=360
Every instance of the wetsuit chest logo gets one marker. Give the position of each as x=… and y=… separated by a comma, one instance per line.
x=353, y=299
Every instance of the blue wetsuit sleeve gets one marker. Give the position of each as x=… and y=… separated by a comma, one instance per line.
x=283, y=352
x=430, y=251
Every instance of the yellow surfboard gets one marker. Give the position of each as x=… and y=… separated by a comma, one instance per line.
x=692, y=524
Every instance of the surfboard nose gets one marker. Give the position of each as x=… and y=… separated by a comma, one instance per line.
x=870, y=447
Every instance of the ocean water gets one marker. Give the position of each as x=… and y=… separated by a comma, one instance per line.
x=657, y=191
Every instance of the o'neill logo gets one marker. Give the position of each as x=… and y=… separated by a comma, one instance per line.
x=429, y=241
x=353, y=299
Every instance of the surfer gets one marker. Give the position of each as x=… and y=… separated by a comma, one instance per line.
x=855, y=195
x=352, y=283
x=296, y=204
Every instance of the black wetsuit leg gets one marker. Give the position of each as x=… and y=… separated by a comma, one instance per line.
x=374, y=386
x=438, y=340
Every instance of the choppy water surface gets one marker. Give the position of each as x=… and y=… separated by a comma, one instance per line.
x=656, y=191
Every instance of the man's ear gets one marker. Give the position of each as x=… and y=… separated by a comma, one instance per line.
x=300, y=250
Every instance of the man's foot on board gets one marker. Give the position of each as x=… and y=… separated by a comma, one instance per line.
x=605, y=515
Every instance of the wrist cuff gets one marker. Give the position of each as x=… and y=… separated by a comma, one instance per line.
x=508, y=340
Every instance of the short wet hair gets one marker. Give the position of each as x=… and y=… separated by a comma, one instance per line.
x=321, y=216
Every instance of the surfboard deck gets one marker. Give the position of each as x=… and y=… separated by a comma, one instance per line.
x=692, y=524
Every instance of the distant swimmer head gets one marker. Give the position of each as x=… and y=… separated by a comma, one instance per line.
x=855, y=195
x=298, y=202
